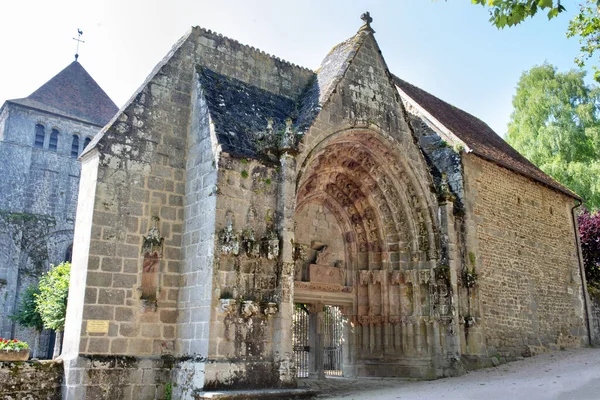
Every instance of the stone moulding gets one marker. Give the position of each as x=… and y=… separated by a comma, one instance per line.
x=323, y=287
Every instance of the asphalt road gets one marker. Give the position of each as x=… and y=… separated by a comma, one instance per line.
x=562, y=375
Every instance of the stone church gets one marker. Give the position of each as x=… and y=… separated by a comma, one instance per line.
x=41, y=137
x=244, y=222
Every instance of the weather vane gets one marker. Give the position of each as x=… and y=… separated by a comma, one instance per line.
x=78, y=40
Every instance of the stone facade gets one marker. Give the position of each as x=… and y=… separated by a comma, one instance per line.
x=31, y=380
x=38, y=194
x=522, y=237
x=234, y=185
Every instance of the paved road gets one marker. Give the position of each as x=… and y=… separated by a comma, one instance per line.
x=562, y=375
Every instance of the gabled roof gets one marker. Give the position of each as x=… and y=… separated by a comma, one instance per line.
x=240, y=111
x=477, y=135
x=72, y=93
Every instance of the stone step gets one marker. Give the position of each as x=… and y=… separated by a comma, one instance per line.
x=273, y=394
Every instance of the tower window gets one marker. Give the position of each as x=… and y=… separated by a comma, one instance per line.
x=75, y=147
x=53, y=144
x=40, y=134
x=86, y=142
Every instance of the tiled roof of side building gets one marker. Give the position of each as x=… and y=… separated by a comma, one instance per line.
x=478, y=136
x=72, y=93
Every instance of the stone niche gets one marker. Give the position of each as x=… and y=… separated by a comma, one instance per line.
x=321, y=255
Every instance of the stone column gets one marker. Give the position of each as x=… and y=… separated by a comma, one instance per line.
x=448, y=234
x=315, y=338
x=282, y=338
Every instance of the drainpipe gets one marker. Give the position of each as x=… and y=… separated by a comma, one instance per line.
x=582, y=272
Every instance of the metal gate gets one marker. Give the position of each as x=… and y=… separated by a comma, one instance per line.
x=300, y=337
x=333, y=337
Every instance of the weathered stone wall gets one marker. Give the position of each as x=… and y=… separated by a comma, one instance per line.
x=521, y=241
x=245, y=274
x=118, y=377
x=595, y=318
x=137, y=217
x=198, y=242
x=38, y=197
x=40, y=380
x=140, y=185
x=233, y=59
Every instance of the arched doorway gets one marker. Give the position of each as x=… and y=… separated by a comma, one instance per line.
x=367, y=242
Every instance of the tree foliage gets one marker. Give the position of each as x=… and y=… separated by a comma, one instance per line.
x=51, y=302
x=585, y=25
x=512, y=12
x=27, y=314
x=555, y=124
x=589, y=231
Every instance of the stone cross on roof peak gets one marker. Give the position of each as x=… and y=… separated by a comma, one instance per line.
x=367, y=18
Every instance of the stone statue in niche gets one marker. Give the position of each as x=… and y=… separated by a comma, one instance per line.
x=152, y=249
x=323, y=256
x=271, y=245
x=322, y=271
x=229, y=242
x=250, y=244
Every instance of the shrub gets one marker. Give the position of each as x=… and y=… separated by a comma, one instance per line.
x=51, y=302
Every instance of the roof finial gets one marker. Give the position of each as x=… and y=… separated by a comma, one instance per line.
x=78, y=40
x=367, y=26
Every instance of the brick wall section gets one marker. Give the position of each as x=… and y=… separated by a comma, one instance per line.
x=231, y=58
x=119, y=377
x=39, y=380
x=528, y=276
x=141, y=175
x=195, y=293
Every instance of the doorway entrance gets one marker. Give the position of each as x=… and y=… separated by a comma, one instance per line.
x=318, y=334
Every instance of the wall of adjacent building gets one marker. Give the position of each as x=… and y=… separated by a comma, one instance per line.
x=38, y=197
x=521, y=240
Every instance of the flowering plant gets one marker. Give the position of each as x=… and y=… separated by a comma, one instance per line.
x=12, y=344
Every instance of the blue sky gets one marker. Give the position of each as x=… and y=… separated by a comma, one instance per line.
x=445, y=47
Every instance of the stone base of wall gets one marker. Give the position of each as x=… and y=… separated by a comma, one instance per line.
x=242, y=375
x=595, y=318
x=192, y=375
x=31, y=380
x=112, y=377
x=418, y=368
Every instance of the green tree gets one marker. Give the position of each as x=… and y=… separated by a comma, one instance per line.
x=27, y=315
x=585, y=25
x=555, y=124
x=51, y=302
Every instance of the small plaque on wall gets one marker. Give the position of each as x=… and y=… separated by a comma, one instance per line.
x=97, y=326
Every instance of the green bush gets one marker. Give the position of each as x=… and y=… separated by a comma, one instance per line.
x=51, y=301
x=27, y=314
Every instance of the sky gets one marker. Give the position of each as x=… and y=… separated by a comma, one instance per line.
x=448, y=48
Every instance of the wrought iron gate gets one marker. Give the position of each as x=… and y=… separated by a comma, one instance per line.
x=300, y=337
x=333, y=337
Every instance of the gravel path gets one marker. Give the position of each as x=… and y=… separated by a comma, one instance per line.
x=563, y=375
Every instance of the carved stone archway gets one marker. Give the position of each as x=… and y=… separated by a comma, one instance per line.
x=371, y=202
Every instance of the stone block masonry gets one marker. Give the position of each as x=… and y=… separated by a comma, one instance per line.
x=40, y=380
x=530, y=292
